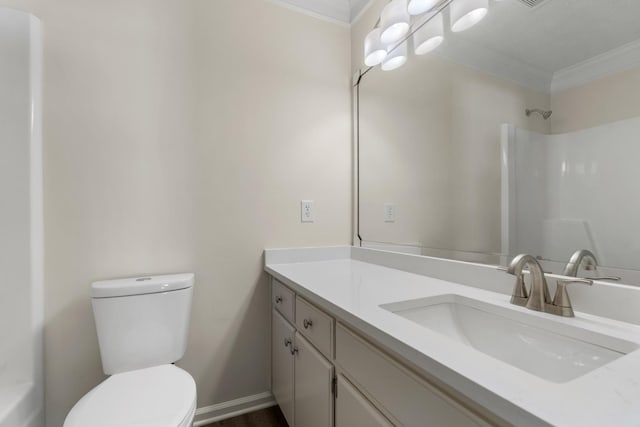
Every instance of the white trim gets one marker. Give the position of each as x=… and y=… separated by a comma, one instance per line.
x=283, y=3
x=355, y=241
x=233, y=408
x=478, y=57
x=507, y=185
x=36, y=208
x=360, y=14
x=615, y=61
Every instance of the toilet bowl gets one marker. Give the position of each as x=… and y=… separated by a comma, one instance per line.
x=142, y=326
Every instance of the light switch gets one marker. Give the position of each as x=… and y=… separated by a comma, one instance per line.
x=306, y=211
x=389, y=212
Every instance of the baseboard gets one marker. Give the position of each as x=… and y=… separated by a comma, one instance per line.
x=233, y=408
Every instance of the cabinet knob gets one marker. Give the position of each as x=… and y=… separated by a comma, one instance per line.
x=287, y=342
x=307, y=323
x=294, y=350
x=278, y=300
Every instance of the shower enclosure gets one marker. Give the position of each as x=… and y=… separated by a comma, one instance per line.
x=21, y=230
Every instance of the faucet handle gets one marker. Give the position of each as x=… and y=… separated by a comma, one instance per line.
x=612, y=278
x=506, y=270
x=561, y=299
x=519, y=295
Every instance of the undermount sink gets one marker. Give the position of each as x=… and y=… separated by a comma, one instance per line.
x=550, y=350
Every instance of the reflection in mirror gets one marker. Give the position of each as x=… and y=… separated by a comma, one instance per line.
x=518, y=135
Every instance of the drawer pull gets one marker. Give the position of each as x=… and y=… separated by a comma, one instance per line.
x=294, y=350
x=307, y=323
x=278, y=300
x=287, y=342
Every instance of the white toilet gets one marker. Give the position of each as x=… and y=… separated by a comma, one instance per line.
x=142, y=326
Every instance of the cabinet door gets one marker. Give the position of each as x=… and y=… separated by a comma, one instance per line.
x=313, y=380
x=282, y=369
x=354, y=410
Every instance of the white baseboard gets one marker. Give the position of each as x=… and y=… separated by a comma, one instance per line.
x=233, y=408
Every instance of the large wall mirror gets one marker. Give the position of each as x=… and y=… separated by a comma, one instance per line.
x=518, y=135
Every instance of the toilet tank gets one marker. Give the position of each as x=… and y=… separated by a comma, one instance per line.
x=142, y=321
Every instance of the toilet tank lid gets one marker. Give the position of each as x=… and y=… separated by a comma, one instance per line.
x=141, y=285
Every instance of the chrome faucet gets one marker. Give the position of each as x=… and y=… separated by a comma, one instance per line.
x=538, y=298
x=576, y=259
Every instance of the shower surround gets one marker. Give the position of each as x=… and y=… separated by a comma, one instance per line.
x=21, y=230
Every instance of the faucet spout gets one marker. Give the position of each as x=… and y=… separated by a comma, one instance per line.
x=539, y=297
x=576, y=259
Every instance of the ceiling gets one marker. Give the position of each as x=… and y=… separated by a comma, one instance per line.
x=558, y=33
x=344, y=11
x=552, y=46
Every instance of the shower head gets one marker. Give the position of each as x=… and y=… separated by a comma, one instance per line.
x=545, y=114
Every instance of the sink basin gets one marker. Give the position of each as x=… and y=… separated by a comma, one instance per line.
x=551, y=350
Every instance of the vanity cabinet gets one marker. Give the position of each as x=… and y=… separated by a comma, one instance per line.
x=370, y=389
x=302, y=377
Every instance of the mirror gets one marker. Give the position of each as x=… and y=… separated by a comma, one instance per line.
x=518, y=135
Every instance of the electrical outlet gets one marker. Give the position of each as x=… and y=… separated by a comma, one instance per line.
x=389, y=212
x=306, y=211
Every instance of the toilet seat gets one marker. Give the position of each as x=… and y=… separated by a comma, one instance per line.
x=162, y=396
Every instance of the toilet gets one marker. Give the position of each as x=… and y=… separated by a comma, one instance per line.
x=142, y=326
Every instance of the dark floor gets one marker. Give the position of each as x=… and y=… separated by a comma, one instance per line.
x=270, y=417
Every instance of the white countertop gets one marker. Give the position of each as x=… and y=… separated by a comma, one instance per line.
x=351, y=285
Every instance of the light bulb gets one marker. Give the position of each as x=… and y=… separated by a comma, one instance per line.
x=429, y=36
x=417, y=7
x=394, y=22
x=467, y=13
x=396, y=58
x=374, y=50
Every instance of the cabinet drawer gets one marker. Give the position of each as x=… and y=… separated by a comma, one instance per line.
x=283, y=299
x=316, y=326
x=418, y=404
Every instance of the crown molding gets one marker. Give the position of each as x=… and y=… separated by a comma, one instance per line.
x=347, y=20
x=473, y=55
x=615, y=61
x=361, y=12
x=287, y=5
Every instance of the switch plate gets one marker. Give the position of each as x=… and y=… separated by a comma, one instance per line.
x=306, y=211
x=389, y=212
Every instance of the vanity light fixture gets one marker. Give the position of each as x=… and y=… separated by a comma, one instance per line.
x=467, y=13
x=374, y=50
x=418, y=7
x=394, y=22
x=396, y=57
x=429, y=36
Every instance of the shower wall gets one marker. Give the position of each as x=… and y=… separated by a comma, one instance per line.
x=573, y=191
x=20, y=221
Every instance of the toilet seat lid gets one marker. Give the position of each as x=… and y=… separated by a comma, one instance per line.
x=162, y=396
